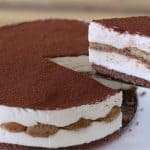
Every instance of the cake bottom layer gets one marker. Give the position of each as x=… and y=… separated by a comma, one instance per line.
x=110, y=73
x=120, y=67
x=97, y=130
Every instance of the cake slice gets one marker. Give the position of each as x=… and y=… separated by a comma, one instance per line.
x=120, y=48
x=43, y=104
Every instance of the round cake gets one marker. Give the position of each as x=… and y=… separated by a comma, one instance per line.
x=44, y=104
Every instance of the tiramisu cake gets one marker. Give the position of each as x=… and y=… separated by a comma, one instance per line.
x=120, y=49
x=46, y=105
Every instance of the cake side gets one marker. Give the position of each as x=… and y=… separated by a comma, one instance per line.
x=78, y=125
x=129, y=102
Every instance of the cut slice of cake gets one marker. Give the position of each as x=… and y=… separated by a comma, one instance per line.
x=120, y=48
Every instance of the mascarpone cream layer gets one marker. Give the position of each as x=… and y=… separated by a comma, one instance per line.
x=100, y=34
x=119, y=63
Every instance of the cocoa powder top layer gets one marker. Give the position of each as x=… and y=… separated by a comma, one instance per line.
x=29, y=80
x=133, y=25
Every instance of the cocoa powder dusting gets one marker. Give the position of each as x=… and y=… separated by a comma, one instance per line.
x=29, y=80
x=133, y=25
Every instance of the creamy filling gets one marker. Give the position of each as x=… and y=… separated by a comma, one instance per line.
x=129, y=51
x=120, y=63
x=64, y=138
x=44, y=130
x=100, y=34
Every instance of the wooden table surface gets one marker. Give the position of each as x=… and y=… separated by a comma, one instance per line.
x=12, y=11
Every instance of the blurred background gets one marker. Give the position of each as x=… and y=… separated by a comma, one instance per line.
x=12, y=11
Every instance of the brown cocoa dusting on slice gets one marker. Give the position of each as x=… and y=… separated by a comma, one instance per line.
x=42, y=130
x=13, y=127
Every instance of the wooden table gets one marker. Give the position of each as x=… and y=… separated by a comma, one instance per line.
x=12, y=11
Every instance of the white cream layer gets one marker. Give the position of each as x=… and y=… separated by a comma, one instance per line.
x=63, y=138
x=119, y=63
x=29, y=117
x=100, y=34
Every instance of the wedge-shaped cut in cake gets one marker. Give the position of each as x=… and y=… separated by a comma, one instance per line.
x=120, y=49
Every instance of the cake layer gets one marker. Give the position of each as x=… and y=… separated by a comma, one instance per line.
x=81, y=64
x=60, y=118
x=63, y=138
x=129, y=51
x=46, y=130
x=122, y=64
x=100, y=32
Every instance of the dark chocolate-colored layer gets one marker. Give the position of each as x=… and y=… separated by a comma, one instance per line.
x=128, y=108
x=134, y=25
x=121, y=76
x=29, y=80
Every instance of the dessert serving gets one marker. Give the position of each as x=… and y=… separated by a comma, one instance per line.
x=120, y=49
x=42, y=103
x=46, y=105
